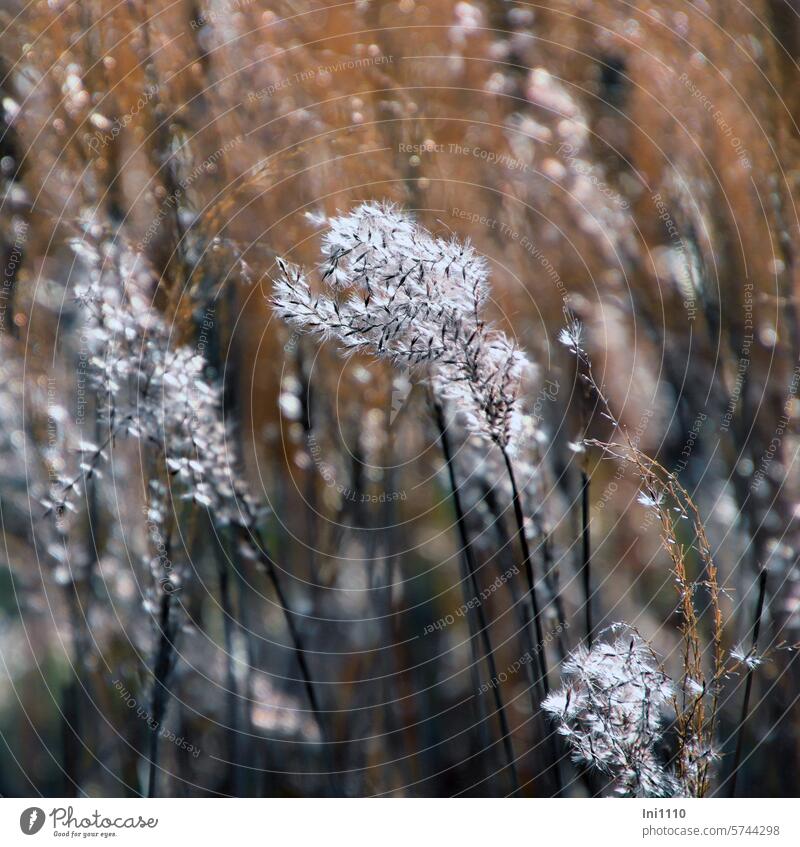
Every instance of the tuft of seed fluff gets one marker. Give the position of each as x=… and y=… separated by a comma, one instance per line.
x=393, y=290
x=610, y=713
x=151, y=390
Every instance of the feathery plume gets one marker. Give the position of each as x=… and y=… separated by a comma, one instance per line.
x=394, y=290
x=610, y=709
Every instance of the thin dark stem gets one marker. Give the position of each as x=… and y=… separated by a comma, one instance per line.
x=540, y=646
x=73, y=697
x=162, y=667
x=484, y=741
x=586, y=555
x=294, y=634
x=70, y=746
x=481, y=717
x=390, y=671
x=244, y=600
x=762, y=591
x=469, y=564
x=586, y=379
x=520, y=603
x=163, y=663
x=233, y=730
x=551, y=580
x=306, y=397
x=268, y=565
x=528, y=565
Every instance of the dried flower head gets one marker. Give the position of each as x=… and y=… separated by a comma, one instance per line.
x=397, y=292
x=151, y=391
x=610, y=712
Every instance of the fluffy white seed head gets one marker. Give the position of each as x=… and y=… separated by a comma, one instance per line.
x=393, y=290
x=610, y=712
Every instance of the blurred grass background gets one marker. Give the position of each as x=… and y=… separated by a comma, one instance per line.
x=636, y=162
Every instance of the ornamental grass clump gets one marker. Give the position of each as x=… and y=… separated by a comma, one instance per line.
x=697, y=695
x=149, y=388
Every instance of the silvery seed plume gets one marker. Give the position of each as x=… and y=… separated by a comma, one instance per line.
x=377, y=245
x=610, y=713
x=150, y=390
x=395, y=291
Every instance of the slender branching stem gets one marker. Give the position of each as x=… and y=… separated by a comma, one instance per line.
x=244, y=599
x=585, y=378
x=484, y=741
x=586, y=556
